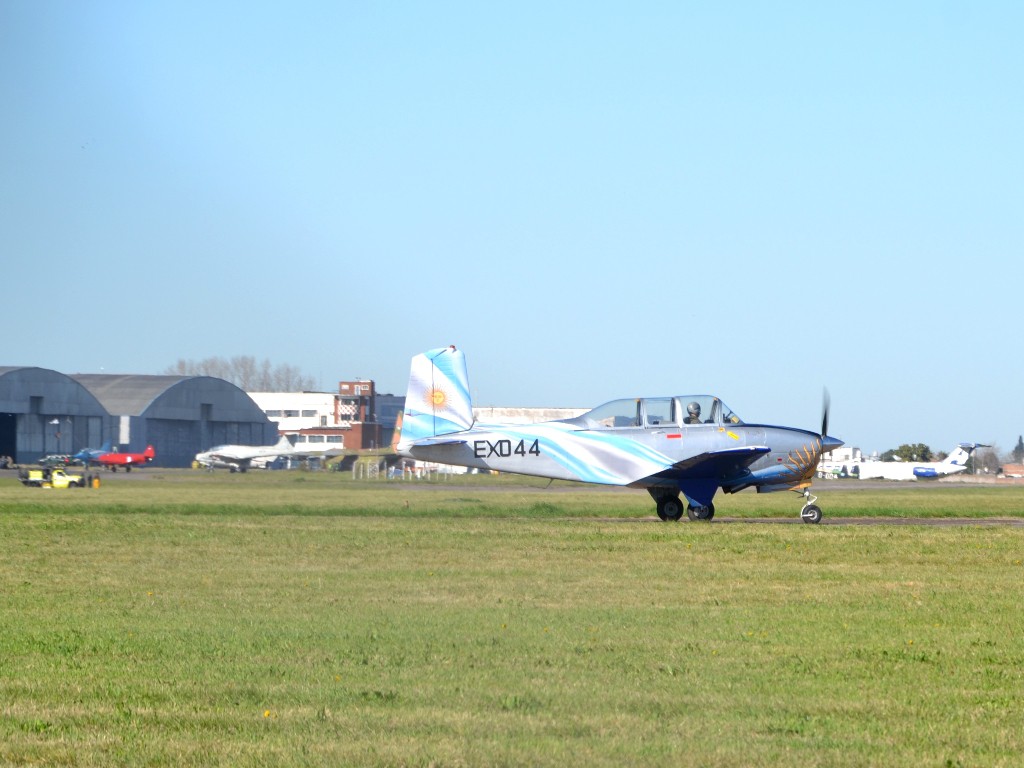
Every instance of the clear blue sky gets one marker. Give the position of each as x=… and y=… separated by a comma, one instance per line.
x=593, y=200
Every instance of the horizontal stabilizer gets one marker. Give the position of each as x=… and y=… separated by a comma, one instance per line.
x=432, y=442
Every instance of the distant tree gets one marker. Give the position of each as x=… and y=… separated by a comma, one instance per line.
x=245, y=372
x=1018, y=451
x=986, y=460
x=908, y=452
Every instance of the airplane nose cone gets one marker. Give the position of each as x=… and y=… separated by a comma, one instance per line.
x=830, y=443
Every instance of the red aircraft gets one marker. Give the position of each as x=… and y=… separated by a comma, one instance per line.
x=127, y=460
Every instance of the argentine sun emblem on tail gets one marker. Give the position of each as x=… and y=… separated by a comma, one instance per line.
x=437, y=401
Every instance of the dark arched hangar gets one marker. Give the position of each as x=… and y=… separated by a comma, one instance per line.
x=44, y=411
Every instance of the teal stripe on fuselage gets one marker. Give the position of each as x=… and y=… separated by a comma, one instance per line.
x=590, y=456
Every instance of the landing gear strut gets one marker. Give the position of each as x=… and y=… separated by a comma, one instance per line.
x=811, y=513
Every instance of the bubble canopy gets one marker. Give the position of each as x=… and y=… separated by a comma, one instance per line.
x=658, y=412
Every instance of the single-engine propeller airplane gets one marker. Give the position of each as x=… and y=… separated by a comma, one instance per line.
x=116, y=459
x=88, y=456
x=687, y=446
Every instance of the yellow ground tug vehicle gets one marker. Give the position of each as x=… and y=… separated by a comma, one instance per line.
x=56, y=478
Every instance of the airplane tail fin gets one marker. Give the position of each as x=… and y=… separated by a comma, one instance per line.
x=149, y=453
x=960, y=454
x=437, y=401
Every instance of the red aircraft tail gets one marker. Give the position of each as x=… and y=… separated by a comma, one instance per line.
x=149, y=453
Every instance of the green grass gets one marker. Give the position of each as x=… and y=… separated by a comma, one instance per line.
x=318, y=493
x=292, y=619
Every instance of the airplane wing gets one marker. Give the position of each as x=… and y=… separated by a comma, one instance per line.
x=729, y=463
x=232, y=458
x=223, y=454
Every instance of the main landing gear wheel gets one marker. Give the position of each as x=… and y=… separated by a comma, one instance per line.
x=670, y=508
x=700, y=513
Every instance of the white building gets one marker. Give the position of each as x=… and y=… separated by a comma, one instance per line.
x=314, y=419
x=299, y=410
x=327, y=421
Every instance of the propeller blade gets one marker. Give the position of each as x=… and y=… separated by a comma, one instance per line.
x=826, y=403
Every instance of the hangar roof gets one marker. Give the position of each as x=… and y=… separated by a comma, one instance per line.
x=128, y=394
x=172, y=397
x=59, y=393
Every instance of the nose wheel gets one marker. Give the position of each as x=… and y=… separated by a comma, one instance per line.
x=811, y=513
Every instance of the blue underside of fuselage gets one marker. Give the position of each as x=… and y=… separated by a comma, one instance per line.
x=701, y=490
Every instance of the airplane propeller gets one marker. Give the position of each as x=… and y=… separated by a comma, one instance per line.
x=826, y=404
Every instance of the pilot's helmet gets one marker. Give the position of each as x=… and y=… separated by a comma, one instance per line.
x=693, y=409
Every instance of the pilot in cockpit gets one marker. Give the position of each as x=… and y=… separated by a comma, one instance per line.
x=692, y=413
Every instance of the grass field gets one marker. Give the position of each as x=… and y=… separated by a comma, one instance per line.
x=306, y=619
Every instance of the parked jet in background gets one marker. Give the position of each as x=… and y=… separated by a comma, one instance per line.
x=918, y=470
x=122, y=459
x=686, y=446
x=238, y=458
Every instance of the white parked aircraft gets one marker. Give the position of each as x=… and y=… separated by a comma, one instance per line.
x=238, y=458
x=911, y=470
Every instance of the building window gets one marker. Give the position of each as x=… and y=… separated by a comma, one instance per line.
x=308, y=414
x=316, y=438
x=273, y=414
x=335, y=439
x=291, y=414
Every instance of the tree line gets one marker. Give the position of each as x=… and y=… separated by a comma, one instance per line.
x=245, y=372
